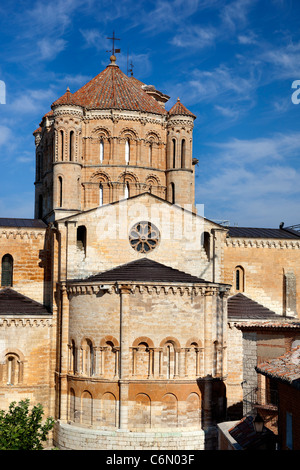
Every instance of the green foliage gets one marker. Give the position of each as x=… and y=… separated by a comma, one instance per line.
x=22, y=429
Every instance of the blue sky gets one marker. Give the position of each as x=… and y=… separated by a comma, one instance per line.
x=232, y=63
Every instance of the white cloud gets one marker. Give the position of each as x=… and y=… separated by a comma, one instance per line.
x=195, y=37
x=49, y=49
x=5, y=135
x=253, y=182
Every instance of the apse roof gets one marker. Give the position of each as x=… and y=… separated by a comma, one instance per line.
x=112, y=89
x=143, y=270
x=14, y=303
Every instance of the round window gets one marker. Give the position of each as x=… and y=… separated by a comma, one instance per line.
x=144, y=237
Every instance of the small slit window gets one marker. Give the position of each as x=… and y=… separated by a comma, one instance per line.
x=101, y=150
x=71, y=150
x=182, y=153
x=239, y=279
x=127, y=151
x=81, y=238
x=7, y=271
x=174, y=152
x=100, y=195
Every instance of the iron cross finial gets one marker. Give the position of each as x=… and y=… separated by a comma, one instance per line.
x=114, y=51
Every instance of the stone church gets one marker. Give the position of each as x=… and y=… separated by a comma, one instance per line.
x=121, y=305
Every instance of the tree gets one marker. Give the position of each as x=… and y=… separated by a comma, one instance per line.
x=22, y=429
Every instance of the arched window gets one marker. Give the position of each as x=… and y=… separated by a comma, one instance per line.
x=7, y=270
x=182, y=153
x=81, y=238
x=100, y=195
x=239, y=279
x=206, y=244
x=13, y=370
x=60, y=191
x=71, y=149
x=126, y=191
x=101, y=149
x=62, y=144
x=73, y=357
x=172, y=193
x=127, y=151
x=174, y=152
x=150, y=154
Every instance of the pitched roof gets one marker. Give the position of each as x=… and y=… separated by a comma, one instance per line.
x=143, y=270
x=14, y=303
x=180, y=109
x=249, y=232
x=241, y=307
x=285, y=368
x=112, y=89
x=245, y=435
x=31, y=223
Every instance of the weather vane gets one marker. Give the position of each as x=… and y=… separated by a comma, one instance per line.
x=114, y=51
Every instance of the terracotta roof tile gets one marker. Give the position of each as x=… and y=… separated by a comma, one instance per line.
x=285, y=368
x=112, y=89
x=180, y=109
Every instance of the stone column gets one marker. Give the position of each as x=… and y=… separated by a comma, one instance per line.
x=124, y=356
x=64, y=336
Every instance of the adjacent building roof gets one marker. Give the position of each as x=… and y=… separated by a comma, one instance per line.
x=242, y=308
x=112, y=89
x=14, y=303
x=245, y=435
x=143, y=270
x=249, y=232
x=32, y=223
x=285, y=368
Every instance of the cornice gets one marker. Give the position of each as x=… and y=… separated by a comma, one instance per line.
x=22, y=321
x=86, y=288
x=22, y=233
x=261, y=243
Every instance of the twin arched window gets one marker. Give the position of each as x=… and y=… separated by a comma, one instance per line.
x=7, y=271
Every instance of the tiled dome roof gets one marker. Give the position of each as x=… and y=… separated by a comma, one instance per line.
x=180, y=109
x=112, y=89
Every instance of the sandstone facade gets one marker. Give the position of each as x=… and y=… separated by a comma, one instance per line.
x=134, y=347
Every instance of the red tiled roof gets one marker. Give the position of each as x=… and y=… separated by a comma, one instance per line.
x=180, y=109
x=285, y=368
x=112, y=89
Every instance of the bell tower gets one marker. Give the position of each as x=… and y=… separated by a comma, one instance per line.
x=180, y=173
x=110, y=140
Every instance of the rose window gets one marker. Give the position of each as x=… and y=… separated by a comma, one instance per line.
x=144, y=237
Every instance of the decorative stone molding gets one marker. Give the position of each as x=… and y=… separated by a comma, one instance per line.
x=22, y=234
x=23, y=322
x=166, y=289
x=261, y=243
